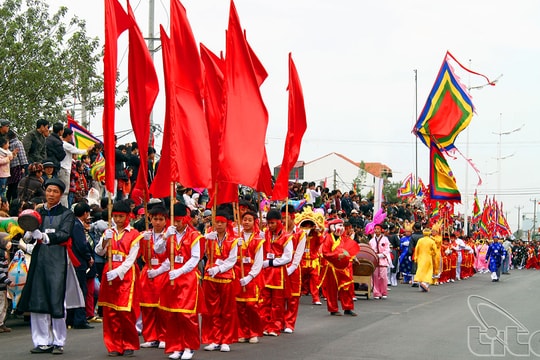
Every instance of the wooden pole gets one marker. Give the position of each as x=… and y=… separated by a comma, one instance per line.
x=109, y=246
x=237, y=219
x=173, y=238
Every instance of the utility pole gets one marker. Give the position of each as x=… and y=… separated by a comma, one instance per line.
x=519, y=214
x=335, y=179
x=535, y=201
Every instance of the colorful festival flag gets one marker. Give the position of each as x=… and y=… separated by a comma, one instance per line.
x=447, y=112
x=406, y=188
x=443, y=185
x=82, y=138
x=476, y=208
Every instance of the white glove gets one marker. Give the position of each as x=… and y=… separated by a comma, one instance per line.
x=211, y=235
x=380, y=256
x=290, y=270
x=36, y=234
x=502, y=257
x=111, y=275
x=109, y=234
x=173, y=274
x=266, y=263
x=27, y=235
x=152, y=274
x=147, y=235
x=171, y=230
x=406, y=243
x=245, y=280
x=45, y=239
x=213, y=271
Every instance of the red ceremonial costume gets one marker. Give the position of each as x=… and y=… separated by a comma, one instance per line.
x=120, y=297
x=219, y=323
x=181, y=297
x=278, y=250
x=294, y=285
x=250, y=257
x=336, y=277
x=311, y=266
x=152, y=316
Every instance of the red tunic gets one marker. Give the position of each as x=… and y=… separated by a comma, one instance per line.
x=184, y=294
x=121, y=294
x=246, y=256
x=150, y=288
x=274, y=276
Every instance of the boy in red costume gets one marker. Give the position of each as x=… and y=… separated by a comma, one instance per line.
x=181, y=296
x=119, y=291
x=249, y=264
x=153, y=278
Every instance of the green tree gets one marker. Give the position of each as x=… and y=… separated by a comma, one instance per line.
x=390, y=192
x=46, y=63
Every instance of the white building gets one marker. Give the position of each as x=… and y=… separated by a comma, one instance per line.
x=339, y=172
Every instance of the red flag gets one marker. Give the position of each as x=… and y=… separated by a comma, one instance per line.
x=241, y=156
x=264, y=184
x=143, y=90
x=214, y=67
x=167, y=171
x=116, y=22
x=193, y=157
x=296, y=129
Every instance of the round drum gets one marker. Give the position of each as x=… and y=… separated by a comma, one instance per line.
x=29, y=220
x=366, y=261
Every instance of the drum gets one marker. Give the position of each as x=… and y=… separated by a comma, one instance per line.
x=366, y=261
x=29, y=220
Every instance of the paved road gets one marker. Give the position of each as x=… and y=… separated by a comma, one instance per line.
x=408, y=325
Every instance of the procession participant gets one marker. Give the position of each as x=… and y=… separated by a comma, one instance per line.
x=453, y=258
x=481, y=251
x=459, y=247
x=381, y=245
x=182, y=244
x=294, y=284
x=405, y=263
x=153, y=279
x=51, y=285
x=495, y=256
x=416, y=235
x=437, y=262
x=119, y=291
x=247, y=299
x=425, y=256
x=445, y=255
x=313, y=223
x=219, y=323
x=507, y=244
x=278, y=250
x=394, y=240
x=336, y=276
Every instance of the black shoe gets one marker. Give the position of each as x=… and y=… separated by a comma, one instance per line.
x=58, y=350
x=85, y=326
x=42, y=349
x=114, y=353
x=128, y=352
x=336, y=313
x=350, y=312
x=414, y=285
x=506, y=273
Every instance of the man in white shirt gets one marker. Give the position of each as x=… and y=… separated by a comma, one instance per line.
x=65, y=165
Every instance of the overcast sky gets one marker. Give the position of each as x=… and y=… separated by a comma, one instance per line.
x=356, y=60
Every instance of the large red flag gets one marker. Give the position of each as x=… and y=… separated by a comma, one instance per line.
x=246, y=120
x=264, y=184
x=296, y=129
x=116, y=22
x=214, y=67
x=143, y=90
x=167, y=170
x=193, y=157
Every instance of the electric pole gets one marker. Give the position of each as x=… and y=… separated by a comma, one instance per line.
x=519, y=214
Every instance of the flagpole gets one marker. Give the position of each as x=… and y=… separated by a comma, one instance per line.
x=416, y=137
